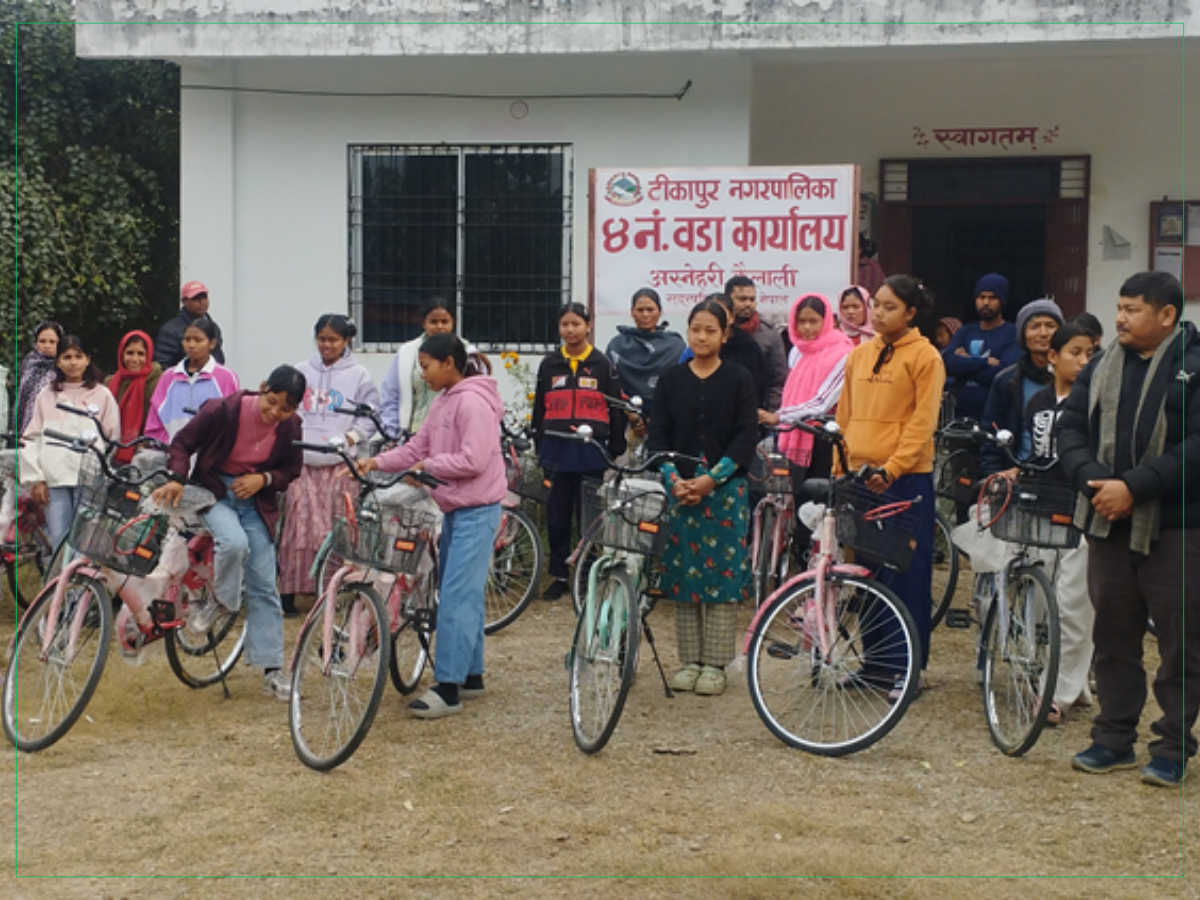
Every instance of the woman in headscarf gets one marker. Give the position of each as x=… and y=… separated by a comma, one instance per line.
x=133, y=385
x=37, y=371
x=854, y=314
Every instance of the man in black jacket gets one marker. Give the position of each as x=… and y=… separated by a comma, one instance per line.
x=168, y=344
x=1129, y=439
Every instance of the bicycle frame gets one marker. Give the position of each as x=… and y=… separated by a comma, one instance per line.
x=785, y=506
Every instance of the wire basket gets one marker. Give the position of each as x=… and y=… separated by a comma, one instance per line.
x=889, y=540
x=633, y=515
x=109, y=527
x=526, y=478
x=957, y=474
x=770, y=473
x=1035, y=512
x=393, y=540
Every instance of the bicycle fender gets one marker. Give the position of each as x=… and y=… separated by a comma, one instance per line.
x=839, y=569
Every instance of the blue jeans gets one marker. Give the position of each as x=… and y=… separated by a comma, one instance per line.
x=243, y=552
x=464, y=557
x=60, y=513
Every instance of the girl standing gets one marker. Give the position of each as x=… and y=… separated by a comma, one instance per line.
x=37, y=371
x=1071, y=349
x=573, y=384
x=198, y=377
x=706, y=409
x=244, y=453
x=133, y=385
x=335, y=379
x=854, y=314
x=53, y=472
x=459, y=443
x=888, y=413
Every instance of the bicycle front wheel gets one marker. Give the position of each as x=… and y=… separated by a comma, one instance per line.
x=515, y=571
x=945, y=569
x=603, y=659
x=843, y=694
x=49, y=682
x=1020, y=660
x=203, y=659
x=337, y=684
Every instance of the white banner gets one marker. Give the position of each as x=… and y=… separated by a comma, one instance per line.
x=685, y=232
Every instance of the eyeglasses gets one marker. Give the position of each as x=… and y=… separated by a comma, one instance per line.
x=885, y=357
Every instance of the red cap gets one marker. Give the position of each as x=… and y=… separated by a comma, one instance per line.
x=192, y=288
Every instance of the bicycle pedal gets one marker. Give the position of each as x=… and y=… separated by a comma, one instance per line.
x=779, y=650
x=958, y=618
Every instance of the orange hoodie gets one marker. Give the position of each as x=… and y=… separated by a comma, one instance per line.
x=889, y=418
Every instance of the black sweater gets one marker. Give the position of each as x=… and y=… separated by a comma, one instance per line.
x=713, y=417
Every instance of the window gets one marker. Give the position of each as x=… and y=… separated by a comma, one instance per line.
x=486, y=227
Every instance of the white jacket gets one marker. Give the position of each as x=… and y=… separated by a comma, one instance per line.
x=40, y=459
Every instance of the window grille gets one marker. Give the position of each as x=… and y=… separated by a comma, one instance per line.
x=486, y=227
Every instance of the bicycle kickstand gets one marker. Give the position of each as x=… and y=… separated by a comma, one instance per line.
x=212, y=645
x=654, y=650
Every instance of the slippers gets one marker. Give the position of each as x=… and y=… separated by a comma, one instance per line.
x=1055, y=716
x=432, y=706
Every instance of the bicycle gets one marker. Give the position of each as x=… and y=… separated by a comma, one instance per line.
x=23, y=540
x=834, y=656
x=342, y=657
x=625, y=526
x=61, y=643
x=1020, y=640
x=773, y=520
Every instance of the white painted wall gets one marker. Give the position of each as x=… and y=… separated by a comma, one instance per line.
x=1123, y=106
x=265, y=191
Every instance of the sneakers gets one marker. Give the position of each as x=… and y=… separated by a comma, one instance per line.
x=202, y=616
x=277, y=685
x=1100, y=760
x=1163, y=772
x=711, y=682
x=685, y=679
x=558, y=589
x=432, y=706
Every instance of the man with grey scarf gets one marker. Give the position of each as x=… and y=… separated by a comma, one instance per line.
x=1129, y=439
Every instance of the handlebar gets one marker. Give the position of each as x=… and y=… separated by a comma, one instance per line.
x=652, y=460
x=93, y=414
x=520, y=441
x=84, y=445
x=1002, y=438
x=357, y=410
x=368, y=485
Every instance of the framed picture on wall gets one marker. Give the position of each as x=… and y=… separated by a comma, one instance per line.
x=1168, y=229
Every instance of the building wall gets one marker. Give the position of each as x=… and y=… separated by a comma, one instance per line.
x=1123, y=107
x=265, y=183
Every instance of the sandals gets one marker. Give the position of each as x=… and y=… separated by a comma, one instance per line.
x=1055, y=716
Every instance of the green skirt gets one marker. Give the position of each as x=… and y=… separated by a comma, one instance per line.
x=706, y=560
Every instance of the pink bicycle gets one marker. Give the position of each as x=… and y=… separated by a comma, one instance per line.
x=834, y=656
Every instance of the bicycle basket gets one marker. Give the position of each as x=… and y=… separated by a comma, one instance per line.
x=957, y=473
x=770, y=473
x=888, y=539
x=384, y=538
x=1035, y=512
x=526, y=478
x=633, y=515
x=109, y=528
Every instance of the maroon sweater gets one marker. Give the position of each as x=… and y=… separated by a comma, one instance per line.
x=210, y=436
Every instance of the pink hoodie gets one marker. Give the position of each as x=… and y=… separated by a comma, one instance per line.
x=460, y=443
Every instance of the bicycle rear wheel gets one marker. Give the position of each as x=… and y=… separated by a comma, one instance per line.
x=945, y=569
x=46, y=692
x=412, y=632
x=584, y=560
x=1020, y=662
x=336, y=687
x=203, y=659
x=847, y=700
x=515, y=571
x=765, y=536
x=603, y=659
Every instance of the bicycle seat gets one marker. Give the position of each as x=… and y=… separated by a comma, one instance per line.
x=816, y=489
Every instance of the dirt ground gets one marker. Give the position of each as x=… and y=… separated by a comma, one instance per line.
x=693, y=797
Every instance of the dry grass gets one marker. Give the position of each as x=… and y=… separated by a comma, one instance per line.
x=159, y=780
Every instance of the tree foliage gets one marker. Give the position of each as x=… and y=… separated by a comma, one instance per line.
x=89, y=184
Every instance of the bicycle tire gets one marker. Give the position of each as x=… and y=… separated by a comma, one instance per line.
x=43, y=698
x=412, y=634
x=333, y=705
x=946, y=563
x=764, y=519
x=515, y=570
x=603, y=660
x=1018, y=686
x=201, y=660
x=842, y=706
x=584, y=560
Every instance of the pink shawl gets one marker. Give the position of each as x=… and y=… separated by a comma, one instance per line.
x=858, y=333
x=818, y=358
